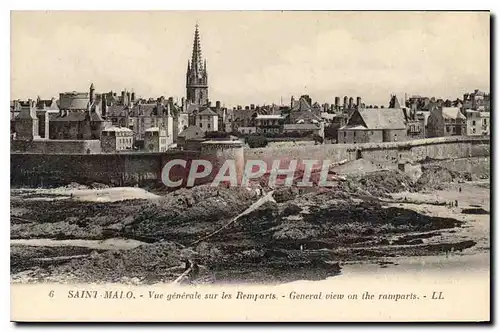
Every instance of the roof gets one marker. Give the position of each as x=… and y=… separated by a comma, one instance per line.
x=136, y=110
x=117, y=129
x=301, y=126
x=26, y=114
x=75, y=116
x=452, y=113
x=191, y=131
x=425, y=114
x=229, y=142
x=301, y=105
x=207, y=111
x=359, y=127
x=269, y=117
x=383, y=118
x=328, y=116
x=43, y=103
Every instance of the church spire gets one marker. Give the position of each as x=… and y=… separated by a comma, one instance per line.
x=196, y=60
x=196, y=75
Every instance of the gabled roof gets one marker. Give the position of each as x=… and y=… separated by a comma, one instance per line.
x=207, y=111
x=383, y=118
x=301, y=105
x=191, y=131
x=452, y=113
x=269, y=117
x=117, y=129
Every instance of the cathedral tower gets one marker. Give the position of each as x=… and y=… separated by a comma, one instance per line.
x=196, y=76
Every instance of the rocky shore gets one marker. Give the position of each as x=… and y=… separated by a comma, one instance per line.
x=296, y=234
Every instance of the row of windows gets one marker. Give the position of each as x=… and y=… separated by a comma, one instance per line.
x=124, y=140
x=485, y=122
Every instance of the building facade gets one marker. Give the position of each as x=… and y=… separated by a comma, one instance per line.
x=446, y=121
x=115, y=139
x=157, y=140
x=374, y=126
x=478, y=123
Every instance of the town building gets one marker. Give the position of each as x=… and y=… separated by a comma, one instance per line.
x=26, y=122
x=477, y=101
x=156, y=139
x=374, y=126
x=141, y=116
x=305, y=129
x=446, y=121
x=303, y=109
x=478, y=123
x=116, y=139
x=190, y=138
x=207, y=120
x=268, y=123
x=79, y=116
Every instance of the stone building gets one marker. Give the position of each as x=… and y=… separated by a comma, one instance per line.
x=302, y=109
x=156, y=139
x=79, y=116
x=446, y=121
x=477, y=101
x=141, y=116
x=190, y=138
x=196, y=75
x=26, y=122
x=312, y=129
x=268, y=123
x=196, y=108
x=374, y=126
x=207, y=120
x=115, y=139
x=478, y=123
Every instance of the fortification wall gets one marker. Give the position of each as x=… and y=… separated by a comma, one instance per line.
x=56, y=146
x=133, y=168
x=413, y=151
x=124, y=169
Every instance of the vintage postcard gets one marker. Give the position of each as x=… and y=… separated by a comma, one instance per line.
x=250, y=166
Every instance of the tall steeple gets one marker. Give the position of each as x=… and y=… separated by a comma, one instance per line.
x=196, y=76
x=196, y=57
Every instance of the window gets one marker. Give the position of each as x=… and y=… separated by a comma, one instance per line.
x=485, y=122
x=473, y=122
x=201, y=125
x=345, y=134
x=208, y=126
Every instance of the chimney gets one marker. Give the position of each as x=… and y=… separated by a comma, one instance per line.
x=252, y=106
x=337, y=101
x=351, y=101
x=104, y=105
x=358, y=102
x=217, y=104
x=128, y=99
x=209, y=104
x=182, y=102
x=123, y=97
x=345, y=102
x=133, y=96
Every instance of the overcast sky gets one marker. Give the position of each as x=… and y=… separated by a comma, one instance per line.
x=253, y=57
